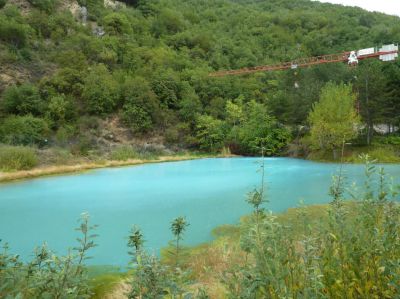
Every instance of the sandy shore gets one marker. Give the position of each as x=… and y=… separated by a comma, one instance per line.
x=61, y=169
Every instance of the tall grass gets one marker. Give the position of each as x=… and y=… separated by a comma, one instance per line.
x=17, y=158
x=125, y=153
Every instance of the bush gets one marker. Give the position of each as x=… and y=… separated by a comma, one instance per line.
x=141, y=109
x=391, y=140
x=136, y=118
x=3, y=3
x=22, y=100
x=117, y=24
x=13, y=33
x=17, y=158
x=100, y=91
x=24, y=130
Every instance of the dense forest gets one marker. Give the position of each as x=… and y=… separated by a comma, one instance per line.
x=89, y=76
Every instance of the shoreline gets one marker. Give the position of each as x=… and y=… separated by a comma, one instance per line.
x=82, y=167
x=42, y=171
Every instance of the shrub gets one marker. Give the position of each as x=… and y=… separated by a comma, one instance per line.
x=22, y=100
x=13, y=33
x=141, y=109
x=117, y=24
x=17, y=158
x=100, y=91
x=253, y=128
x=24, y=130
x=136, y=118
x=3, y=3
x=392, y=140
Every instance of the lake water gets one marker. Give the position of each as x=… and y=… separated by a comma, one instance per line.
x=208, y=192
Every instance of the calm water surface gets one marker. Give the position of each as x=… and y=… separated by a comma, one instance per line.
x=209, y=192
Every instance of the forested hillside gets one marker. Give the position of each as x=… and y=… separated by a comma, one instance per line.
x=140, y=69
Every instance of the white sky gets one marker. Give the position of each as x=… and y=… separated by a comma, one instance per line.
x=391, y=7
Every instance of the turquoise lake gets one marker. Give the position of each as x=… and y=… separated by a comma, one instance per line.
x=208, y=192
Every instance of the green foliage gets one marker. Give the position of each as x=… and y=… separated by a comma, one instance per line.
x=178, y=227
x=60, y=110
x=23, y=130
x=136, y=118
x=117, y=24
x=210, y=133
x=152, y=278
x=390, y=140
x=256, y=129
x=140, y=109
x=334, y=119
x=48, y=275
x=13, y=32
x=17, y=158
x=168, y=22
x=2, y=3
x=100, y=92
x=22, y=100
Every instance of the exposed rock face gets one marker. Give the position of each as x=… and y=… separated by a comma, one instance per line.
x=84, y=15
x=114, y=4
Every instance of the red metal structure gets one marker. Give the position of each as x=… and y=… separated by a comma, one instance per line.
x=385, y=53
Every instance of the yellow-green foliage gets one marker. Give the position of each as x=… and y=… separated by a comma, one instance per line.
x=17, y=158
x=382, y=154
x=334, y=118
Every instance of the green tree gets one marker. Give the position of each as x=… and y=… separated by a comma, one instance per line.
x=101, y=91
x=60, y=110
x=178, y=228
x=210, y=133
x=136, y=118
x=140, y=110
x=334, y=118
x=371, y=84
x=257, y=130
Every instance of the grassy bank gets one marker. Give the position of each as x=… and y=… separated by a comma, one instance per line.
x=83, y=166
x=380, y=153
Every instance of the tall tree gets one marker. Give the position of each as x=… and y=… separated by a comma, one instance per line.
x=334, y=118
x=371, y=85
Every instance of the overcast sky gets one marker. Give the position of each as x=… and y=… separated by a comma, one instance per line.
x=391, y=7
